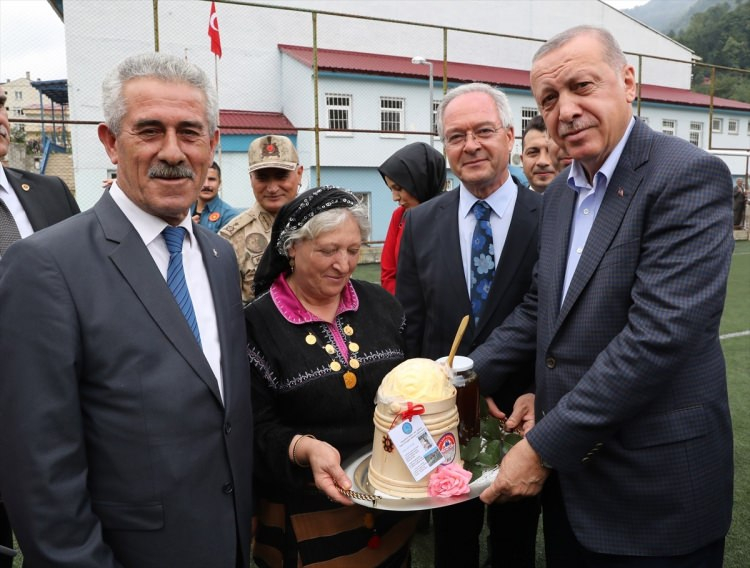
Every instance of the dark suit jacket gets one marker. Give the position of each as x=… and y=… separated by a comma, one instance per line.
x=631, y=399
x=430, y=281
x=46, y=199
x=123, y=452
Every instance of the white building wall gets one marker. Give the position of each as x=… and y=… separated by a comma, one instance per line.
x=253, y=74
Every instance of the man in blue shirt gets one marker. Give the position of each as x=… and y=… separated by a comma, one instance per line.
x=210, y=211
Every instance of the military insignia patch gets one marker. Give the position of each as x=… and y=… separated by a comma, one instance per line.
x=270, y=149
x=256, y=243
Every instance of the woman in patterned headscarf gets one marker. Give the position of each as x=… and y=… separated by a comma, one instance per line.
x=414, y=174
x=319, y=345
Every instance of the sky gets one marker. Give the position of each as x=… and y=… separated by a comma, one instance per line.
x=32, y=39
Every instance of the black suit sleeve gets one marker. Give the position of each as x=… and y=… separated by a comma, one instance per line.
x=409, y=288
x=41, y=420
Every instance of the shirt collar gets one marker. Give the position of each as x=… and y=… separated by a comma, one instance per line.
x=293, y=310
x=577, y=177
x=498, y=200
x=148, y=226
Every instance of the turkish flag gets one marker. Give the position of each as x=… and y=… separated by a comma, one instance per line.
x=213, y=31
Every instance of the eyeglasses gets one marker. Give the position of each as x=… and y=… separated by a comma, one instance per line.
x=457, y=139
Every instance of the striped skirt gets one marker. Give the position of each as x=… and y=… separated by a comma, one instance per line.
x=312, y=531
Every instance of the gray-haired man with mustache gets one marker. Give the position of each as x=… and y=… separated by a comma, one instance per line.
x=126, y=407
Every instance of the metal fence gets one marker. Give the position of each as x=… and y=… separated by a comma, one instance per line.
x=350, y=89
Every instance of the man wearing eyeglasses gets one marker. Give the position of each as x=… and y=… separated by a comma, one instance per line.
x=471, y=251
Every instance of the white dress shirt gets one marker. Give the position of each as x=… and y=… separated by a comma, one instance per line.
x=589, y=199
x=149, y=228
x=502, y=202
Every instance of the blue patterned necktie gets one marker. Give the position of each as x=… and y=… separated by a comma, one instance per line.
x=482, y=258
x=174, y=237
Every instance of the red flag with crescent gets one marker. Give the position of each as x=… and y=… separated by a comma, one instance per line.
x=213, y=31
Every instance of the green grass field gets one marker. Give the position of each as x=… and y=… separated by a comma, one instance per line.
x=736, y=323
x=735, y=330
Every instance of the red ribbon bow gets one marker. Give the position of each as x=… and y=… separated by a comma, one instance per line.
x=411, y=411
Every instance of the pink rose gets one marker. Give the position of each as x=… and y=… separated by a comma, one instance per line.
x=448, y=481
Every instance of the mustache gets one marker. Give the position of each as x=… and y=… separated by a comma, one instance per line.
x=3, y=131
x=566, y=128
x=166, y=171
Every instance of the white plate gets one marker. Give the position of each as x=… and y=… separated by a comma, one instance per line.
x=357, y=467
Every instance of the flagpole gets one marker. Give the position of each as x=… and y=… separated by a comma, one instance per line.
x=216, y=79
x=213, y=33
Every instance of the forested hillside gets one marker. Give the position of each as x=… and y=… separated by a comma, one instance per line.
x=721, y=36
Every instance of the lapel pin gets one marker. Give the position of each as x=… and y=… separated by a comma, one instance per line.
x=620, y=192
x=216, y=254
x=25, y=186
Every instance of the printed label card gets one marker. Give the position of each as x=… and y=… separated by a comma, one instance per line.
x=416, y=446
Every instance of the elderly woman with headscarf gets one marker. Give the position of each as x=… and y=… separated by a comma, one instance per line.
x=319, y=345
x=414, y=174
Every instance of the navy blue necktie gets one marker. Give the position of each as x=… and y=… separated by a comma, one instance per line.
x=174, y=237
x=482, y=258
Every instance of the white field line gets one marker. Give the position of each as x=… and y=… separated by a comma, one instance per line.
x=735, y=334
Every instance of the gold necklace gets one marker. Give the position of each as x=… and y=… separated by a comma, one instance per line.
x=350, y=379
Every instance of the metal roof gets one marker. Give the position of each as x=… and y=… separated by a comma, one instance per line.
x=252, y=122
x=56, y=91
x=391, y=65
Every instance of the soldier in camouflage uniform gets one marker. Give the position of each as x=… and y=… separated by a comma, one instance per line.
x=275, y=175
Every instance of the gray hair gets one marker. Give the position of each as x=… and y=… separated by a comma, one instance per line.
x=501, y=101
x=158, y=66
x=325, y=222
x=613, y=54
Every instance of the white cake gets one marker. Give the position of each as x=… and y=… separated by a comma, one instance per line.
x=416, y=381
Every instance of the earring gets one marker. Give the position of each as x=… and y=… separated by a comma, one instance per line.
x=291, y=264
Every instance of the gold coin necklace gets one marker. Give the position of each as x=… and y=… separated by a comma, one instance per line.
x=350, y=378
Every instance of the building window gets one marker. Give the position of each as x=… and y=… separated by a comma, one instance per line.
x=391, y=114
x=644, y=119
x=18, y=95
x=733, y=126
x=339, y=109
x=717, y=125
x=527, y=113
x=696, y=130
x=669, y=126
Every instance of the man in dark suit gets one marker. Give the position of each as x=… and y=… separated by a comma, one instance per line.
x=32, y=200
x=633, y=442
x=435, y=287
x=125, y=400
x=28, y=203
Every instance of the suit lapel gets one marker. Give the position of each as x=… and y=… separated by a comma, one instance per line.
x=620, y=191
x=132, y=259
x=448, y=250
x=33, y=207
x=564, y=218
x=217, y=279
x=521, y=230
